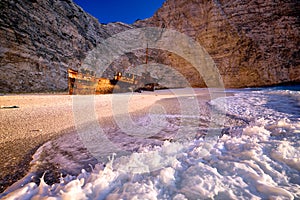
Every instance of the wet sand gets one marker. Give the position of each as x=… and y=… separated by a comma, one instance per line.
x=37, y=119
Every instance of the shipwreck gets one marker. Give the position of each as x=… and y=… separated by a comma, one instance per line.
x=85, y=82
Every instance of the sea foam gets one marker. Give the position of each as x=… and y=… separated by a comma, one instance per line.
x=260, y=163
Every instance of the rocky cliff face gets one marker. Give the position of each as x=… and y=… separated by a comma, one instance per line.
x=253, y=43
x=40, y=39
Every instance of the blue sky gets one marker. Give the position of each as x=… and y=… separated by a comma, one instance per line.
x=126, y=11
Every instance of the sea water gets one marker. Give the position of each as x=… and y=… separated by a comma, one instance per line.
x=255, y=156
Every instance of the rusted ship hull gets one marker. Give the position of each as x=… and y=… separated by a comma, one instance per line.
x=81, y=83
x=87, y=83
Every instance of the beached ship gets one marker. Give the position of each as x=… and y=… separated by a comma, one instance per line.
x=85, y=82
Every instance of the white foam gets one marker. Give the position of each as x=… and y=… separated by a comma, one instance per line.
x=262, y=163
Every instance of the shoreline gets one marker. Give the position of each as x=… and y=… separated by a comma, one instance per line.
x=36, y=120
x=41, y=118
